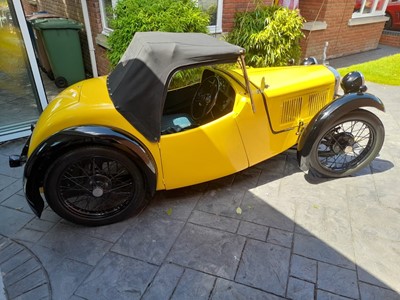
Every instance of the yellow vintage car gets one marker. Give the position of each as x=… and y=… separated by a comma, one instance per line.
x=181, y=109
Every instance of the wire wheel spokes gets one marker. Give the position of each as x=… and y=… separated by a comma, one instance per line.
x=96, y=186
x=345, y=145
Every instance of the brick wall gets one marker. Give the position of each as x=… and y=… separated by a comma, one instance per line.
x=28, y=7
x=103, y=65
x=390, y=38
x=312, y=10
x=342, y=38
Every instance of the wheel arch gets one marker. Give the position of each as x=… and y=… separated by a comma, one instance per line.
x=60, y=143
x=327, y=116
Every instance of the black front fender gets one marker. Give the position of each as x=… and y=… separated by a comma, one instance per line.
x=48, y=151
x=328, y=115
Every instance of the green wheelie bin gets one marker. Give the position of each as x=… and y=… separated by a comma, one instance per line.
x=38, y=45
x=61, y=41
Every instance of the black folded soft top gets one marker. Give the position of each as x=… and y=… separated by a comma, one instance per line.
x=138, y=85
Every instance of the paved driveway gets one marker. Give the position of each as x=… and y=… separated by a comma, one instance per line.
x=294, y=237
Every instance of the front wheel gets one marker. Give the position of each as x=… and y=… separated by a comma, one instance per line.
x=348, y=146
x=94, y=186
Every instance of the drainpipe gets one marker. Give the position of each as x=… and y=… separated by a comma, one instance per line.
x=89, y=37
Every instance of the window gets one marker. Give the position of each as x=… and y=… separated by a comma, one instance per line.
x=105, y=11
x=369, y=8
x=212, y=7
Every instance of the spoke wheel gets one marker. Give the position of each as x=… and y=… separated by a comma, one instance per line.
x=94, y=186
x=349, y=145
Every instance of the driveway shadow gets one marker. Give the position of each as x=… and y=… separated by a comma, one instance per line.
x=377, y=166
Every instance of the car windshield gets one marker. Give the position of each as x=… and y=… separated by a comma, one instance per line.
x=191, y=76
x=199, y=95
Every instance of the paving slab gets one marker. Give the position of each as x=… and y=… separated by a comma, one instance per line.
x=150, y=239
x=194, y=285
x=303, y=268
x=264, y=266
x=117, y=277
x=2, y=288
x=22, y=274
x=164, y=282
x=227, y=290
x=208, y=250
x=300, y=290
x=338, y=280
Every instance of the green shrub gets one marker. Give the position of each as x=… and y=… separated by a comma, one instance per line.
x=270, y=34
x=132, y=16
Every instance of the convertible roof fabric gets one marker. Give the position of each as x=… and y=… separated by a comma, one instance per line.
x=138, y=85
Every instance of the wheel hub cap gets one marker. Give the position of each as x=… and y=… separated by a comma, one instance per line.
x=348, y=149
x=100, y=184
x=343, y=143
x=97, y=192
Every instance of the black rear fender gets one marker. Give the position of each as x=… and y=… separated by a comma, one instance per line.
x=62, y=142
x=327, y=117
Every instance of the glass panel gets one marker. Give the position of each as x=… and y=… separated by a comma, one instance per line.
x=18, y=96
x=370, y=7
x=210, y=7
x=106, y=7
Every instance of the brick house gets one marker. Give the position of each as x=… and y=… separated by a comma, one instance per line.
x=338, y=23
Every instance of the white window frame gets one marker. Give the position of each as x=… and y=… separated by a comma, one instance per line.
x=107, y=30
x=373, y=12
x=218, y=27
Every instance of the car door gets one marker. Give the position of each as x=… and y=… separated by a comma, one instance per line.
x=207, y=152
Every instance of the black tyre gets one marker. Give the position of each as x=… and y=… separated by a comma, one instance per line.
x=347, y=146
x=94, y=186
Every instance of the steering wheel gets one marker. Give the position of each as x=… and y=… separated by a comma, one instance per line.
x=205, y=98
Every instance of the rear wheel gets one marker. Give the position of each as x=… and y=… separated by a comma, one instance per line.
x=348, y=146
x=94, y=186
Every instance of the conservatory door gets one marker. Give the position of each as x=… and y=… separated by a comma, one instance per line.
x=22, y=96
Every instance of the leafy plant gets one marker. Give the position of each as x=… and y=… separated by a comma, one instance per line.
x=270, y=34
x=132, y=16
x=185, y=77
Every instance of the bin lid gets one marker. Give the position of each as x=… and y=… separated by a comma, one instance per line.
x=56, y=23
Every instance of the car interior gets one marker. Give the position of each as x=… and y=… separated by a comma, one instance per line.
x=197, y=103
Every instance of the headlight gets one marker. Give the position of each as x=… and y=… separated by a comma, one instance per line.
x=309, y=61
x=353, y=82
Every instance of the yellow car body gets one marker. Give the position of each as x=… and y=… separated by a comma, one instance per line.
x=236, y=118
x=225, y=146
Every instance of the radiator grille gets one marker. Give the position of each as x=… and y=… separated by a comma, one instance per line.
x=291, y=110
x=317, y=101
